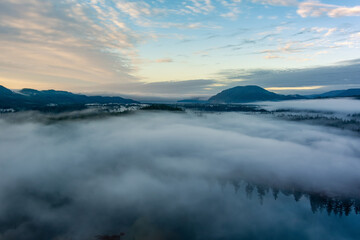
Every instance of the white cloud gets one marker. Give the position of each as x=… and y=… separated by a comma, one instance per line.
x=277, y=2
x=271, y=56
x=317, y=9
x=164, y=60
x=79, y=179
x=232, y=14
x=200, y=6
x=344, y=106
x=233, y=9
x=289, y=47
x=328, y=31
x=68, y=45
x=134, y=9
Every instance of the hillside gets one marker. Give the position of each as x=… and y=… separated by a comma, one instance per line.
x=354, y=92
x=243, y=94
x=31, y=98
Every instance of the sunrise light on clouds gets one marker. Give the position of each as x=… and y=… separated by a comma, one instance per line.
x=192, y=47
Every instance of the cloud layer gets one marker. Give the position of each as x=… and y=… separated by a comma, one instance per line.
x=99, y=45
x=153, y=174
x=343, y=75
x=317, y=9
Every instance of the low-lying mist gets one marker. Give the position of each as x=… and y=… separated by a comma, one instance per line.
x=342, y=105
x=152, y=175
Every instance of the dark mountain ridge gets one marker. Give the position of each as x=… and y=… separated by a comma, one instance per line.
x=5, y=92
x=353, y=92
x=244, y=94
x=31, y=98
x=251, y=93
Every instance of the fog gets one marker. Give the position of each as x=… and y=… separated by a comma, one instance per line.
x=343, y=105
x=156, y=175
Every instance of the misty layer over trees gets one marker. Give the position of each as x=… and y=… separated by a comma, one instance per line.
x=343, y=105
x=162, y=175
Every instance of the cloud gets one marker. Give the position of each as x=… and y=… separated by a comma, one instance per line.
x=271, y=56
x=154, y=176
x=277, y=2
x=164, y=60
x=134, y=9
x=85, y=45
x=287, y=48
x=233, y=9
x=174, y=90
x=328, y=31
x=191, y=25
x=337, y=106
x=81, y=45
x=317, y=9
x=75, y=45
x=242, y=42
x=293, y=88
x=178, y=89
x=64, y=45
x=232, y=14
x=341, y=75
x=200, y=6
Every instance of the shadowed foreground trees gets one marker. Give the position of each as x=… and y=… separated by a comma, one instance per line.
x=319, y=202
x=110, y=237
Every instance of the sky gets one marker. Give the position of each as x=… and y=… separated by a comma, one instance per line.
x=182, y=48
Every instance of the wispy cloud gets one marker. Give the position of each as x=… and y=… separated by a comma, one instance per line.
x=164, y=60
x=293, y=88
x=277, y=2
x=80, y=45
x=200, y=6
x=83, y=41
x=290, y=47
x=317, y=9
x=134, y=9
x=340, y=75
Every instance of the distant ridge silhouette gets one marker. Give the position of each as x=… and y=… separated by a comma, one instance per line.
x=27, y=98
x=251, y=93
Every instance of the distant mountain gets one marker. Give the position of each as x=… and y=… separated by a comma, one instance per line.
x=63, y=97
x=9, y=99
x=29, y=98
x=5, y=92
x=243, y=94
x=192, y=100
x=354, y=92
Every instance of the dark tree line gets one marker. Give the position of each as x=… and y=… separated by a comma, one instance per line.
x=110, y=237
x=319, y=202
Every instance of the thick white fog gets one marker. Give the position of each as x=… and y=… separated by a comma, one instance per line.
x=76, y=175
x=344, y=105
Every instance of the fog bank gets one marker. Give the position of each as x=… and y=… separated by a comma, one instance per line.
x=138, y=173
x=343, y=105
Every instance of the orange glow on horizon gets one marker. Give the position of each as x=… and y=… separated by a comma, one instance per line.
x=293, y=88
